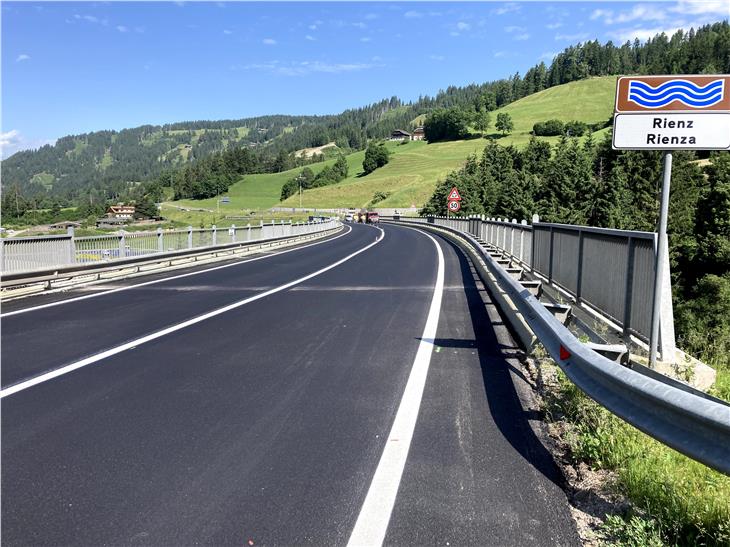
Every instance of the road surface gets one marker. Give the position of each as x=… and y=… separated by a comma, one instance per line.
x=331, y=394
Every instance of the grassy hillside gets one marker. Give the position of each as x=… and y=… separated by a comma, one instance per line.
x=415, y=167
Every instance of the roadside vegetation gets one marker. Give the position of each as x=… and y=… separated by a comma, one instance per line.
x=676, y=501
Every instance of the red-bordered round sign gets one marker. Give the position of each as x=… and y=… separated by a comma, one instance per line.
x=454, y=206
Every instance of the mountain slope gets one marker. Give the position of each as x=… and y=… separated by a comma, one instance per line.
x=415, y=168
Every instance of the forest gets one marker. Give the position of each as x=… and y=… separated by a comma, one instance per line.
x=109, y=165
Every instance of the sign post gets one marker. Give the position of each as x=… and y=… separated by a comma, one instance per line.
x=670, y=113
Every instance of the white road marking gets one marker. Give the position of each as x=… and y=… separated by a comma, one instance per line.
x=146, y=283
x=179, y=326
x=372, y=523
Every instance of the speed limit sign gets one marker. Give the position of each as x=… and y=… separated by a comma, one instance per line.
x=454, y=206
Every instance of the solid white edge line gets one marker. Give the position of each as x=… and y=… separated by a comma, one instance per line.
x=372, y=522
x=171, y=278
x=179, y=326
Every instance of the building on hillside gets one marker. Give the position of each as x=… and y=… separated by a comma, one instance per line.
x=418, y=134
x=65, y=224
x=400, y=135
x=124, y=212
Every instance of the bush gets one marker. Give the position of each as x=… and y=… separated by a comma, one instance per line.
x=575, y=129
x=376, y=156
x=550, y=128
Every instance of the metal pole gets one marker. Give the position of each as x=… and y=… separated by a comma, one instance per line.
x=659, y=269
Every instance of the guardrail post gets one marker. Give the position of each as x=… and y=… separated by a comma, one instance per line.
x=233, y=233
x=190, y=237
x=122, y=246
x=579, y=273
x=214, y=239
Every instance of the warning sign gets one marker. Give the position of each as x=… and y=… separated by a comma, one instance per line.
x=454, y=195
x=672, y=113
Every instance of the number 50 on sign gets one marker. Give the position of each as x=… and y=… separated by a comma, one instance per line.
x=454, y=206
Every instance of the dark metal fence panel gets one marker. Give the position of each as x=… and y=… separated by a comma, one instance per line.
x=643, y=286
x=565, y=258
x=541, y=245
x=604, y=273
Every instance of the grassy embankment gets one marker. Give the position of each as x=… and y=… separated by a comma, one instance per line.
x=679, y=501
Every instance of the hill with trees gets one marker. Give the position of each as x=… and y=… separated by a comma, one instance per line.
x=108, y=165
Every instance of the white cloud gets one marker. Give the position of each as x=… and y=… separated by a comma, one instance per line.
x=310, y=38
x=550, y=55
x=12, y=141
x=359, y=24
x=639, y=12
x=522, y=37
x=371, y=16
x=122, y=28
x=553, y=26
x=601, y=13
x=304, y=68
x=578, y=37
x=499, y=54
x=9, y=137
x=268, y=41
x=413, y=14
x=454, y=33
x=509, y=7
x=365, y=39
x=514, y=28
x=692, y=7
x=461, y=25
x=437, y=57
x=22, y=57
x=624, y=35
x=227, y=31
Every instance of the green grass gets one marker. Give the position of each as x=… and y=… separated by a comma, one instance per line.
x=689, y=502
x=415, y=168
x=46, y=179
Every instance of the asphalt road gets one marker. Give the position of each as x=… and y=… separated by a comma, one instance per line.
x=264, y=418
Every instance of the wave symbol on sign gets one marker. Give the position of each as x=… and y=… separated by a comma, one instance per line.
x=687, y=93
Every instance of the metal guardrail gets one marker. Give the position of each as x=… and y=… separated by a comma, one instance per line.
x=33, y=254
x=696, y=427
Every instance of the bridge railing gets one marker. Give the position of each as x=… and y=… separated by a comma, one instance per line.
x=611, y=271
x=30, y=254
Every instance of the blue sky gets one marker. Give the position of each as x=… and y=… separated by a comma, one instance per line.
x=70, y=68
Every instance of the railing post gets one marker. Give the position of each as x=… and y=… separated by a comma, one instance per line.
x=233, y=233
x=550, y=268
x=190, y=237
x=512, y=237
x=160, y=240
x=214, y=238
x=72, y=246
x=628, y=294
x=579, y=274
x=122, y=246
x=522, y=241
